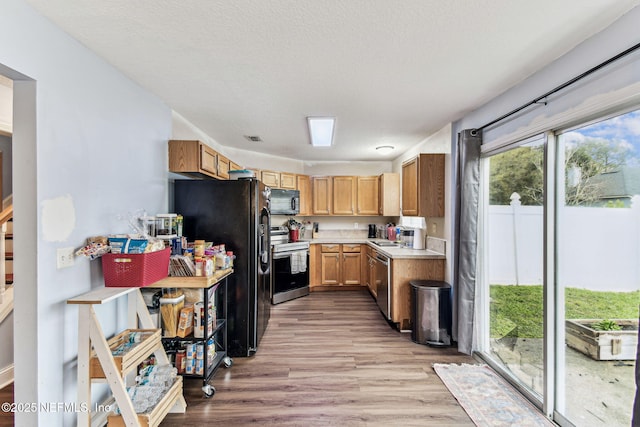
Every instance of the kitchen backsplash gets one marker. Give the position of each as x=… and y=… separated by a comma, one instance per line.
x=337, y=234
x=437, y=245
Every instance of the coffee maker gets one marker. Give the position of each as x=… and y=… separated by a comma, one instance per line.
x=372, y=231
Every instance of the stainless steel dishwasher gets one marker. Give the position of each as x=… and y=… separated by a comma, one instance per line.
x=383, y=283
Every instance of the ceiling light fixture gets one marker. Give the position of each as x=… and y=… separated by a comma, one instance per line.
x=385, y=149
x=321, y=130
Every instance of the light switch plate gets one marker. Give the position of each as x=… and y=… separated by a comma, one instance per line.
x=64, y=258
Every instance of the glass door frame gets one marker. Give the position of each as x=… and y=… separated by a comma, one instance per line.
x=546, y=402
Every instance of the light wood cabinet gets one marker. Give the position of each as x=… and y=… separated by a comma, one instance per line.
x=196, y=159
x=257, y=173
x=270, y=178
x=370, y=272
x=208, y=160
x=367, y=195
x=330, y=268
x=315, y=264
x=321, y=187
x=351, y=265
x=349, y=195
x=344, y=195
x=423, y=186
x=192, y=158
x=304, y=187
x=402, y=272
x=389, y=194
x=340, y=265
x=287, y=181
x=223, y=167
x=234, y=166
x=330, y=264
x=282, y=180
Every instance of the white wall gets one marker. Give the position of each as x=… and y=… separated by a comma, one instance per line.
x=91, y=146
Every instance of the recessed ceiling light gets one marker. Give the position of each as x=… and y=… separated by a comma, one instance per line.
x=385, y=149
x=321, y=130
x=253, y=138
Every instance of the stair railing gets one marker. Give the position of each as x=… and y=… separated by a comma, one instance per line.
x=5, y=216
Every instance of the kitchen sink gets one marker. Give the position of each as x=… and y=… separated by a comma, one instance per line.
x=384, y=243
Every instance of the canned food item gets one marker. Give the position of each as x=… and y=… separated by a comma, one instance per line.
x=200, y=351
x=191, y=351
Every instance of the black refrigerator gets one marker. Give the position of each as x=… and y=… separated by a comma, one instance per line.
x=235, y=213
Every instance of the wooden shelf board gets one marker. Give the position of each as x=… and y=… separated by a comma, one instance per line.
x=157, y=414
x=192, y=282
x=100, y=295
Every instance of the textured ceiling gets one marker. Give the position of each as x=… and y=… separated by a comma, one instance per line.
x=392, y=72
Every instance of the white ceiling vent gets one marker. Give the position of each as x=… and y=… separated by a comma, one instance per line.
x=253, y=138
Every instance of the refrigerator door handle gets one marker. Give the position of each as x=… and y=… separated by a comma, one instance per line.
x=263, y=250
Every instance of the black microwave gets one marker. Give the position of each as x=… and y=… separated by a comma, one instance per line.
x=285, y=202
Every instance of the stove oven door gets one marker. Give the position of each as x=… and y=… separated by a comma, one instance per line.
x=288, y=285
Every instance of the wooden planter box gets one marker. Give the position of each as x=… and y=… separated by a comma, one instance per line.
x=603, y=345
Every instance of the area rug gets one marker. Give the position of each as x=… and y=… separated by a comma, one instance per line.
x=488, y=399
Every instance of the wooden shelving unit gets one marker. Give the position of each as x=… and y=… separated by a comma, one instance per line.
x=101, y=364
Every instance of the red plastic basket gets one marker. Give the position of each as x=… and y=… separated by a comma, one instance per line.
x=135, y=270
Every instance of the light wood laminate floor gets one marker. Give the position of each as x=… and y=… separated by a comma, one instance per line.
x=329, y=359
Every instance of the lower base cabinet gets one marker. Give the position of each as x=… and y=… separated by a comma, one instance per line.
x=339, y=265
x=403, y=271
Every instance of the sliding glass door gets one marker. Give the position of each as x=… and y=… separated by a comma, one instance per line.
x=560, y=268
x=598, y=274
x=513, y=261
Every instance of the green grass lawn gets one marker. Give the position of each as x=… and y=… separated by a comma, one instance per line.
x=521, y=306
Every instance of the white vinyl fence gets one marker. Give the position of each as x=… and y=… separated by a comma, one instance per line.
x=599, y=248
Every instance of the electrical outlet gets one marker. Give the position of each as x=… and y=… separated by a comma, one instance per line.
x=355, y=225
x=434, y=228
x=64, y=257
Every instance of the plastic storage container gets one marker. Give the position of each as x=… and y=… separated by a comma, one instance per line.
x=170, y=315
x=431, y=313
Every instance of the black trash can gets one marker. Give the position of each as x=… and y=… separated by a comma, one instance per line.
x=431, y=313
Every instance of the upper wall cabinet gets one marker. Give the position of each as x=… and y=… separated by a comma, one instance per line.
x=322, y=194
x=344, y=195
x=423, y=186
x=304, y=186
x=224, y=166
x=283, y=180
x=288, y=181
x=194, y=158
x=270, y=178
x=389, y=194
x=367, y=195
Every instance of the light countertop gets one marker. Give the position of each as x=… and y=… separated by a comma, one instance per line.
x=394, y=252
